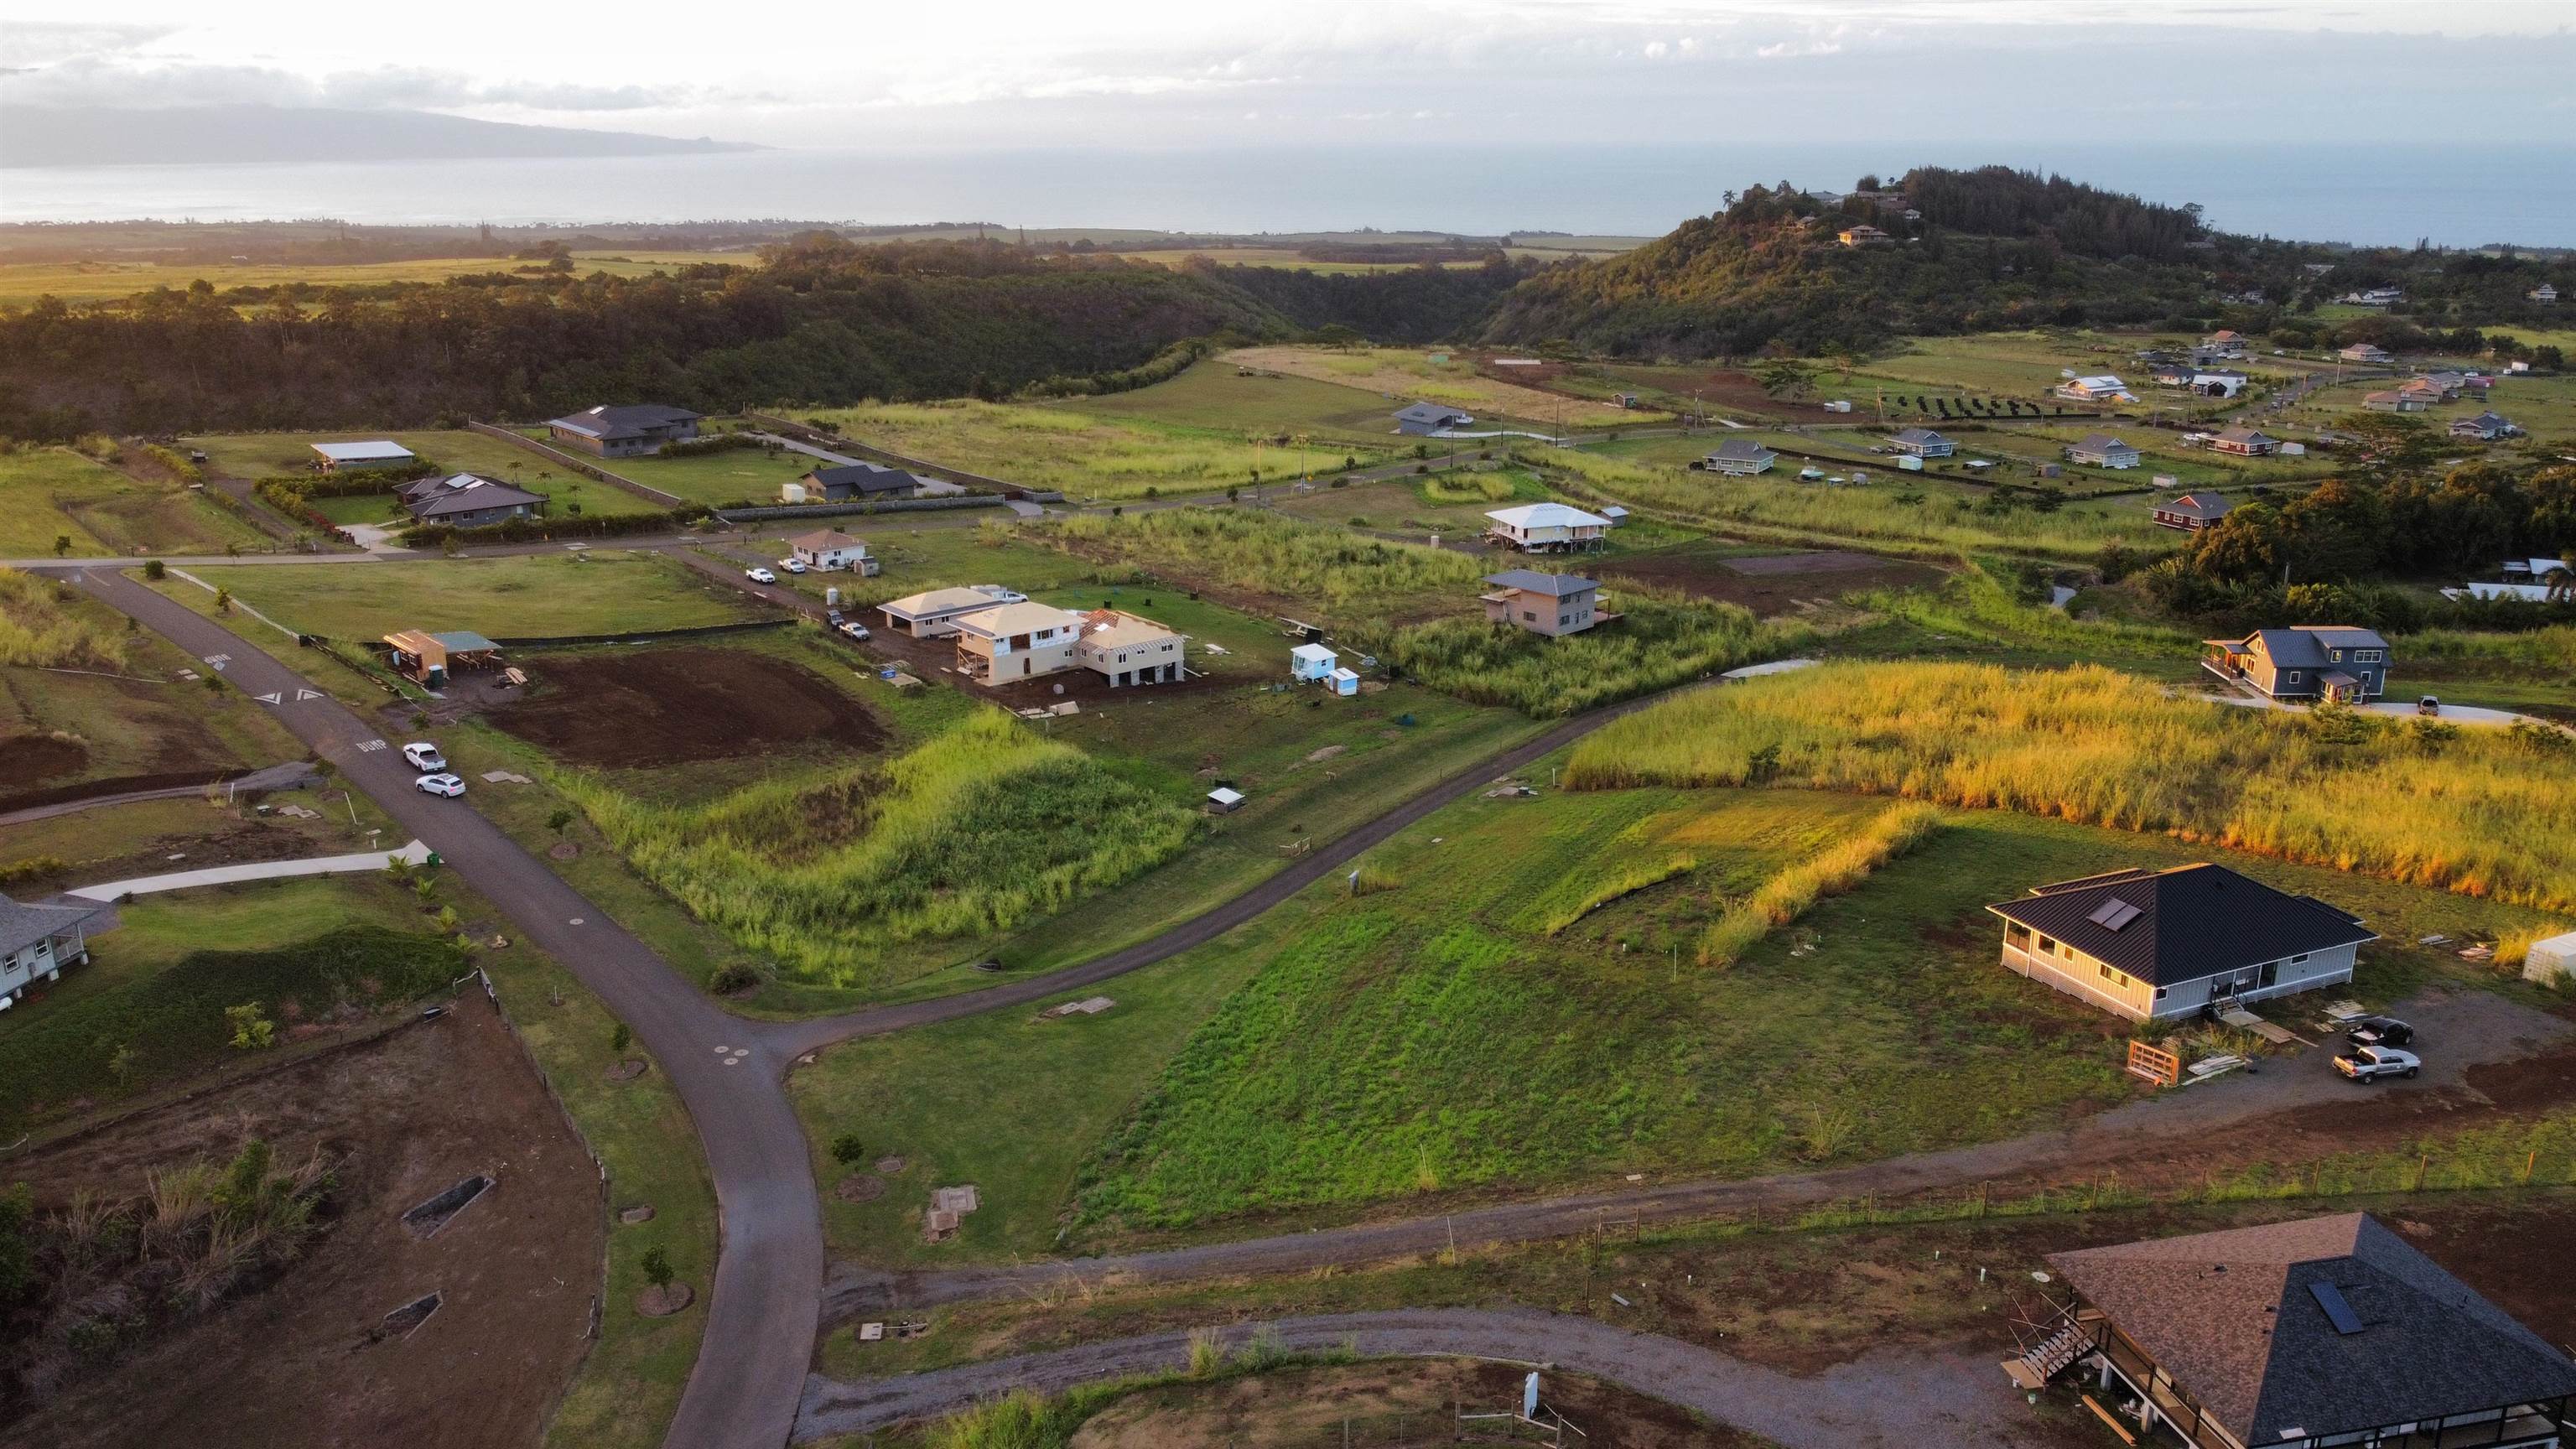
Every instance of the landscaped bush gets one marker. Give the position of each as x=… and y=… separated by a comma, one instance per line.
x=526, y=530
x=712, y=443
x=1662, y=639
x=180, y=464
x=976, y=831
x=2483, y=816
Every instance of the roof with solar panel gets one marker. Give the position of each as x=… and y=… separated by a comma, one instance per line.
x=2164, y=926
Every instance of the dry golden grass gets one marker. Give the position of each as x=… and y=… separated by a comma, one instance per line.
x=1410, y=374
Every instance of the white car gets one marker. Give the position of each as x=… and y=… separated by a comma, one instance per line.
x=792, y=565
x=447, y=785
x=760, y=576
x=855, y=629
x=2370, y=1063
x=424, y=757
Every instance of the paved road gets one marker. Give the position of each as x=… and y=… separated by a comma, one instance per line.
x=294, y=775
x=2466, y=1029
x=1913, y=1400
x=761, y=1316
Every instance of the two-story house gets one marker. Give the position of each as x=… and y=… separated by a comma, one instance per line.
x=1016, y=641
x=1544, y=603
x=2305, y=661
x=2158, y=945
x=1126, y=649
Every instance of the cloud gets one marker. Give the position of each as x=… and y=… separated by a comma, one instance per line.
x=30, y=44
x=93, y=79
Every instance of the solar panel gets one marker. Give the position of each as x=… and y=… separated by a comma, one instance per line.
x=2338, y=1312
x=2112, y=914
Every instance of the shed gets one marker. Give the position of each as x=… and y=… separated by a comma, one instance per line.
x=1224, y=800
x=1344, y=682
x=352, y=457
x=2553, y=959
x=1310, y=662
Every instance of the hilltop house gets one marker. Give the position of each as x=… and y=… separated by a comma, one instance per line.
x=2192, y=511
x=2544, y=294
x=2101, y=387
x=1740, y=456
x=2394, y=400
x=357, y=457
x=1009, y=642
x=1549, y=604
x=627, y=430
x=1922, y=443
x=2305, y=661
x=2245, y=442
x=38, y=941
x=2103, y=451
x=467, y=500
x=1546, y=528
x=2368, y=354
x=2486, y=427
x=2158, y=945
x=2300, y=1335
x=1424, y=420
x=933, y=614
x=859, y=483
x=1126, y=649
x=1863, y=235
x=831, y=551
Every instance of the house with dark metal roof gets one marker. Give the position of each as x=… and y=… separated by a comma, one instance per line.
x=2305, y=661
x=2317, y=1332
x=1423, y=420
x=2245, y=442
x=38, y=941
x=2102, y=450
x=1741, y=456
x=468, y=500
x=626, y=430
x=2159, y=945
x=2486, y=427
x=1922, y=443
x=1548, y=604
x=2192, y=511
x=859, y=483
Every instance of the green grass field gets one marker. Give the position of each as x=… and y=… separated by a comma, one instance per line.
x=52, y=493
x=1400, y=375
x=99, y=281
x=263, y=455
x=601, y=591
x=2544, y=406
x=738, y=475
x=1221, y=399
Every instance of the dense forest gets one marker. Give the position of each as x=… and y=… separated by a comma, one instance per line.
x=1410, y=305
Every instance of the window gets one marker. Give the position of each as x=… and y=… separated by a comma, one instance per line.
x=2295, y=960
x=2292, y=676
x=2160, y=993
x=1529, y=616
x=2017, y=934
x=2047, y=946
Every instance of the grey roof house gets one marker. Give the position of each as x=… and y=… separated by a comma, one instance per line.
x=353, y=457
x=38, y=941
x=2486, y=427
x=2192, y=511
x=860, y=482
x=2103, y=450
x=1548, y=604
x=1742, y=456
x=2320, y=1331
x=2305, y=661
x=627, y=430
x=1922, y=443
x=1422, y=420
x=468, y=500
x=2159, y=945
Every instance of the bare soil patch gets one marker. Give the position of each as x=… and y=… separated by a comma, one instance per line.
x=306, y=1363
x=664, y=1301
x=860, y=1187
x=645, y=707
x=1766, y=584
x=27, y=761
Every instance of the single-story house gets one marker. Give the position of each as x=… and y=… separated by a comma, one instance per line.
x=2532, y=568
x=1126, y=649
x=356, y=457
x=627, y=430
x=1742, y=456
x=2103, y=451
x=2219, y=382
x=831, y=550
x=2544, y=294
x=929, y=615
x=1002, y=643
x=2430, y=389
x=2485, y=427
x=2376, y=297
x=2304, y=1334
x=2305, y=661
x=1922, y=443
x=1223, y=800
x=2395, y=400
x=469, y=500
x=1308, y=663
x=2101, y=387
x=1546, y=527
x=1544, y=603
x=1422, y=420
x=1863, y=235
x=431, y=659
x=2192, y=511
x=2158, y=945
x=2369, y=354
x=2225, y=342
x=38, y=941
x=2245, y=442
x=859, y=482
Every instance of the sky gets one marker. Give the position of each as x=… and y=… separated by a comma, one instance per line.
x=1208, y=74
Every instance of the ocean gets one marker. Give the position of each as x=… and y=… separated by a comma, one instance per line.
x=2368, y=192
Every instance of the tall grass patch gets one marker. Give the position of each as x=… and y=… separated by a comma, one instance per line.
x=1083, y=453
x=1794, y=891
x=1273, y=554
x=42, y=625
x=1662, y=639
x=978, y=830
x=2481, y=814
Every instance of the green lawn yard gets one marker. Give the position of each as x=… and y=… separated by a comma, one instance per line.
x=1226, y=400
x=734, y=475
x=263, y=455
x=601, y=591
x=48, y=494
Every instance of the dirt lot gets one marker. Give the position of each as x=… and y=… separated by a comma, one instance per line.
x=1766, y=584
x=1398, y=1402
x=644, y=707
x=40, y=765
x=289, y=1366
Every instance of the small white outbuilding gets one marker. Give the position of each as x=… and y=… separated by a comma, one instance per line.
x=1310, y=662
x=2551, y=960
x=1345, y=682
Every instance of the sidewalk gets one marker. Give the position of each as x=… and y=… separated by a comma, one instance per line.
x=415, y=852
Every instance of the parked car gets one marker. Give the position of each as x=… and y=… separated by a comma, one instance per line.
x=424, y=757
x=833, y=617
x=2429, y=704
x=760, y=576
x=447, y=785
x=2381, y=1031
x=2370, y=1063
x=855, y=629
x=792, y=565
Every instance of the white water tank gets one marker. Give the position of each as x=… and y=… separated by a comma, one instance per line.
x=791, y=493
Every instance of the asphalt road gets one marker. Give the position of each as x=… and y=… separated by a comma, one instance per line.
x=761, y=1315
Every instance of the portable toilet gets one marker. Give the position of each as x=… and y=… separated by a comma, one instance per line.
x=831, y=596
x=1344, y=682
x=791, y=494
x=1310, y=662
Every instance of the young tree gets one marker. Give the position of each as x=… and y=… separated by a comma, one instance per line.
x=657, y=1267
x=252, y=1031
x=621, y=1038
x=848, y=1150
x=559, y=820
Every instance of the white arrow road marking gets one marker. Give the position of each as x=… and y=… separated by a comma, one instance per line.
x=270, y=698
x=302, y=695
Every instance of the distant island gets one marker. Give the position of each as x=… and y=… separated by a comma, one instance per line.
x=198, y=135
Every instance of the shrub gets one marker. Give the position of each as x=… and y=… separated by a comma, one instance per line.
x=733, y=976
x=849, y=1150
x=38, y=630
